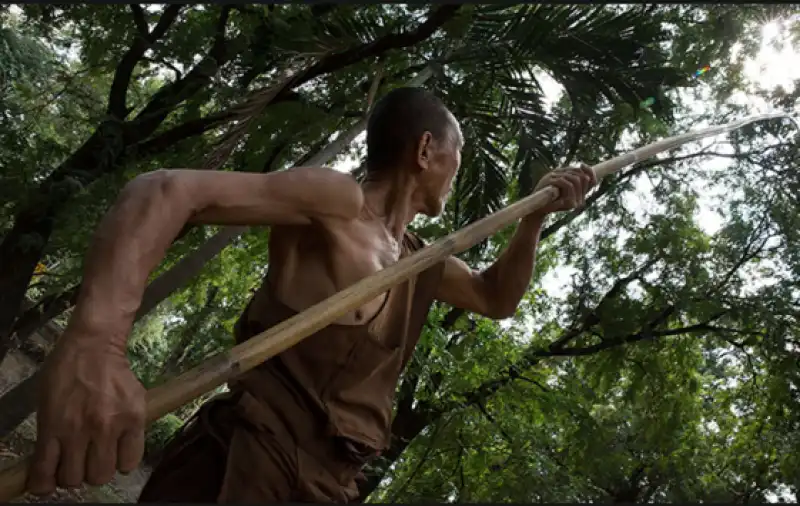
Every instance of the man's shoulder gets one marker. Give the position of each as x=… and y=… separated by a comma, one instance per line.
x=329, y=192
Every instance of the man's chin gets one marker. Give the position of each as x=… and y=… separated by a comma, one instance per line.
x=434, y=210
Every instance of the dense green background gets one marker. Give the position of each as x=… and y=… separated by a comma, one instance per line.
x=654, y=358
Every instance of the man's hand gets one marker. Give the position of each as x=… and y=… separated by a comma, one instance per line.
x=572, y=182
x=91, y=416
x=496, y=292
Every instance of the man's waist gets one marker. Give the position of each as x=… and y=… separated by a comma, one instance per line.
x=306, y=415
x=221, y=415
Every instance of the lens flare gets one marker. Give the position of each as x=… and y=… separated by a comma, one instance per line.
x=646, y=103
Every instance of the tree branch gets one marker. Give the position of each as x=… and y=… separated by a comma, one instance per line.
x=44, y=311
x=482, y=407
x=169, y=138
x=748, y=255
x=336, y=61
x=592, y=317
x=166, y=20
x=170, y=95
x=117, y=97
x=646, y=333
x=532, y=356
x=140, y=19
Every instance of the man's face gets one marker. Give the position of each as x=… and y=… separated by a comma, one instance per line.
x=440, y=160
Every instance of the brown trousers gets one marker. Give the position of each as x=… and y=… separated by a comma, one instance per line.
x=224, y=456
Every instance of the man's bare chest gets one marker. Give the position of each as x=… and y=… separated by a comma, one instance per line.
x=310, y=267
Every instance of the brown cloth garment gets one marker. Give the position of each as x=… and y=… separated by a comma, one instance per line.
x=301, y=425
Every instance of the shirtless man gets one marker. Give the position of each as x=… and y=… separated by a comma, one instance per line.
x=300, y=426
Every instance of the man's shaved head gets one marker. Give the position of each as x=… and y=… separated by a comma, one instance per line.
x=398, y=122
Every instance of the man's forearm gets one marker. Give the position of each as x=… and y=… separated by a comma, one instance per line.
x=129, y=243
x=508, y=278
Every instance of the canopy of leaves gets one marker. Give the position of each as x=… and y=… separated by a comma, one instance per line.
x=655, y=355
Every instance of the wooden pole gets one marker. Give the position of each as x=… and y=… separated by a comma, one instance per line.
x=229, y=364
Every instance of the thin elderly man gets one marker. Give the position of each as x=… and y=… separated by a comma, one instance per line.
x=302, y=425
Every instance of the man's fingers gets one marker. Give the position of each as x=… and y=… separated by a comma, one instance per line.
x=564, y=188
x=73, y=462
x=589, y=177
x=101, y=460
x=587, y=180
x=130, y=450
x=587, y=169
x=575, y=186
x=42, y=479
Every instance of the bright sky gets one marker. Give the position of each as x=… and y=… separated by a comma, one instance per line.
x=770, y=68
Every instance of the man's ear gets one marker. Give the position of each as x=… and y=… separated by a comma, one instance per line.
x=423, y=150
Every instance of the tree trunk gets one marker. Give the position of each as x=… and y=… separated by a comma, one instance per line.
x=22, y=247
x=186, y=269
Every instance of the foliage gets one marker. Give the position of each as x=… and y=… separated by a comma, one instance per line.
x=655, y=355
x=161, y=431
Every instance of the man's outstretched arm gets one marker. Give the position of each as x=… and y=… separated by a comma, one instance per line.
x=153, y=208
x=496, y=292
x=92, y=408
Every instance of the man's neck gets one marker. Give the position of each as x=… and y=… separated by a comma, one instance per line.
x=393, y=199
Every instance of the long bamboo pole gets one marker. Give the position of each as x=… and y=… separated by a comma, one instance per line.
x=229, y=364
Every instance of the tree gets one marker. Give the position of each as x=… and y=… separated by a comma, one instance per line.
x=649, y=381
x=519, y=97
x=118, y=139
x=666, y=369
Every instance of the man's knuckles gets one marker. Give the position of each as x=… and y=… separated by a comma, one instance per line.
x=95, y=423
x=102, y=423
x=70, y=425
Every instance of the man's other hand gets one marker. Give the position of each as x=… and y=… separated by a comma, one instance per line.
x=573, y=183
x=91, y=416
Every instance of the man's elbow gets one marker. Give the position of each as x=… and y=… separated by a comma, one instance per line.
x=497, y=304
x=160, y=195
x=162, y=183
x=499, y=308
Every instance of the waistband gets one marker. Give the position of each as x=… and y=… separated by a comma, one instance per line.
x=221, y=414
